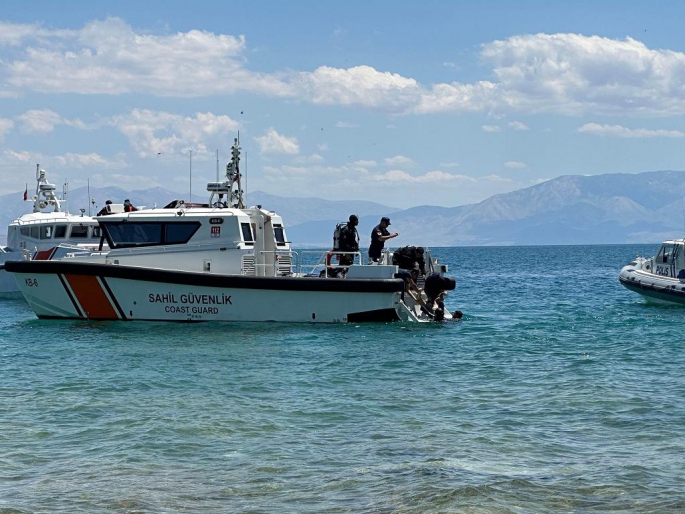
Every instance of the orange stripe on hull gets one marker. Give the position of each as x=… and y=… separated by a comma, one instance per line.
x=92, y=298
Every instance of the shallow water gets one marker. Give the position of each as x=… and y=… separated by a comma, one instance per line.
x=559, y=392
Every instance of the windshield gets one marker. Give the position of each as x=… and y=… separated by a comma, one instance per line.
x=148, y=233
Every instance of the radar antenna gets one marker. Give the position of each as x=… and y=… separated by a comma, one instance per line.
x=45, y=193
x=231, y=187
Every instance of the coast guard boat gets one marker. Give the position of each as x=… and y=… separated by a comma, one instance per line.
x=215, y=262
x=37, y=234
x=660, y=278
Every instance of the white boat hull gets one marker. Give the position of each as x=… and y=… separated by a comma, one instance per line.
x=57, y=289
x=639, y=278
x=8, y=285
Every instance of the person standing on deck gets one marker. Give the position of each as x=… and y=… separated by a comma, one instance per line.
x=128, y=206
x=379, y=235
x=103, y=211
x=349, y=240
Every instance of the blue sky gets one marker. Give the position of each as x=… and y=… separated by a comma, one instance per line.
x=402, y=103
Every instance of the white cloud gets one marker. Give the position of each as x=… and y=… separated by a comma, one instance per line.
x=90, y=160
x=568, y=74
x=44, y=120
x=315, y=173
x=359, y=85
x=398, y=160
x=517, y=125
x=456, y=97
x=67, y=161
x=321, y=175
x=328, y=181
x=345, y=124
x=431, y=176
x=364, y=164
x=22, y=157
x=5, y=126
x=157, y=132
x=194, y=63
x=14, y=34
x=571, y=74
x=624, y=132
x=273, y=142
x=514, y=165
x=313, y=158
x=491, y=128
x=39, y=120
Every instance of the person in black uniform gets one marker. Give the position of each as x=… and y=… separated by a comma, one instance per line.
x=349, y=240
x=434, y=289
x=379, y=235
x=408, y=257
x=103, y=211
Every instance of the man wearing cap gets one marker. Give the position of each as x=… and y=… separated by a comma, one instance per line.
x=379, y=235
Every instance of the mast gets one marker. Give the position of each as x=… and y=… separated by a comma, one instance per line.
x=233, y=175
x=229, y=187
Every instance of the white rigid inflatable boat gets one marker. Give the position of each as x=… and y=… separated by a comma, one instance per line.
x=216, y=262
x=660, y=278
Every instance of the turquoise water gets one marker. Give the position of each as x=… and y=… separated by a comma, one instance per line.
x=559, y=392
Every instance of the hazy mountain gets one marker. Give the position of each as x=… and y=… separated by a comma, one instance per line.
x=613, y=208
x=573, y=209
x=302, y=210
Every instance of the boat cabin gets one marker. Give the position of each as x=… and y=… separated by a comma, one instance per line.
x=670, y=260
x=216, y=240
x=41, y=232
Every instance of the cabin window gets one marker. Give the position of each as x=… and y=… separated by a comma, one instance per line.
x=60, y=231
x=179, y=233
x=35, y=232
x=127, y=233
x=247, y=233
x=132, y=234
x=664, y=254
x=25, y=231
x=79, y=231
x=46, y=231
x=97, y=232
x=279, y=234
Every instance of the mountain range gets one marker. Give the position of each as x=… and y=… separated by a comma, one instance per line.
x=572, y=209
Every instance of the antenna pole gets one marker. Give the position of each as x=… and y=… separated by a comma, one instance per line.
x=217, y=165
x=190, y=179
x=88, y=197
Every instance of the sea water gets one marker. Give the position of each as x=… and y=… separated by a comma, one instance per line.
x=559, y=391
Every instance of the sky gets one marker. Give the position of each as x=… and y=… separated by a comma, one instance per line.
x=396, y=102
